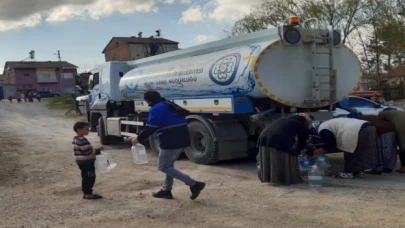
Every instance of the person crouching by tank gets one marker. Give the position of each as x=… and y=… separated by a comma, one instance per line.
x=386, y=144
x=280, y=143
x=356, y=138
x=397, y=118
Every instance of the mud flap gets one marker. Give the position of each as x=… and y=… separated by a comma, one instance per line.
x=263, y=166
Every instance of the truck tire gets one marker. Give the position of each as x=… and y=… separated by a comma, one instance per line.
x=203, y=149
x=155, y=146
x=104, y=138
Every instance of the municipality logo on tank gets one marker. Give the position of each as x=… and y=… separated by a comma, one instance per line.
x=223, y=71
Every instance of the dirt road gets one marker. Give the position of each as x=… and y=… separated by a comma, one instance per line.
x=40, y=187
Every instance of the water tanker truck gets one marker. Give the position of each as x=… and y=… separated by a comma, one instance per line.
x=232, y=87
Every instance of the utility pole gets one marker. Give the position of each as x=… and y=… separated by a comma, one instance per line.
x=32, y=55
x=60, y=72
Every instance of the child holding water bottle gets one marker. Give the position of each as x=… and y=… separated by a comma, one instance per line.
x=85, y=157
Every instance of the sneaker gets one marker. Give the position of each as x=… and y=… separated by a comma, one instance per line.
x=163, y=194
x=196, y=189
x=92, y=197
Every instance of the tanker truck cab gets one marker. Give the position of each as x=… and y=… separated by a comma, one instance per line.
x=233, y=87
x=105, y=99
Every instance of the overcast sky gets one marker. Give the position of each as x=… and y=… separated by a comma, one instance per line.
x=80, y=29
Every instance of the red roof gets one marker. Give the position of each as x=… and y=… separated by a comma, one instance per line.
x=138, y=40
x=34, y=64
x=367, y=93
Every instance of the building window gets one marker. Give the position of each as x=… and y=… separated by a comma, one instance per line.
x=67, y=75
x=25, y=86
x=45, y=77
x=26, y=74
x=68, y=90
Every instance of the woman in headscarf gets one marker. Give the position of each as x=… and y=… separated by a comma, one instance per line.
x=397, y=118
x=280, y=144
x=386, y=144
x=356, y=138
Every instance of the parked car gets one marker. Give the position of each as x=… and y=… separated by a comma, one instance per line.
x=363, y=105
x=45, y=94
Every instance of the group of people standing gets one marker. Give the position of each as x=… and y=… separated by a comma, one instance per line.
x=370, y=143
x=26, y=96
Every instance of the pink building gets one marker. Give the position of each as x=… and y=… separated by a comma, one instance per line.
x=41, y=76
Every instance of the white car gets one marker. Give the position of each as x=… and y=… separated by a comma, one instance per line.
x=363, y=105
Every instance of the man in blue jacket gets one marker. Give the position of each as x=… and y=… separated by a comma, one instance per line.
x=168, y=120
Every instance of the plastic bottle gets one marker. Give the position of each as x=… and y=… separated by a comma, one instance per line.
x=315, y=178
x=139, y=155
x=323, y=164
x=104, y=163
x=303, y=160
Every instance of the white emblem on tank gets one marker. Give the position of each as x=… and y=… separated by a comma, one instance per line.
x=223, y=71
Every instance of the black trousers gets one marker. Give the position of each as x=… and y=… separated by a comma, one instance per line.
x=402, y=157
x=88, y=176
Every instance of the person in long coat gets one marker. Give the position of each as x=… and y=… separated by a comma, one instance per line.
x=386, y=143
x=279, y=146
x=397, y=118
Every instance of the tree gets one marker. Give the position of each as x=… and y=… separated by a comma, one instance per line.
x=267, y=14
x=381, y=41
x=346, y=14
x=85, y=68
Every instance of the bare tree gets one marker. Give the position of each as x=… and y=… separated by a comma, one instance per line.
x=87, y=67
x=267, y=14
x=348, y=15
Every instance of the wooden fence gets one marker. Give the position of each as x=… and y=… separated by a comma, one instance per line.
x=394, y=93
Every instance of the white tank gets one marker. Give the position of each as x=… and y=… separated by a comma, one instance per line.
x=257, y=65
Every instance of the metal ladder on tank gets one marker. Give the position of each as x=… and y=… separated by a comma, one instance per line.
x=322, y=75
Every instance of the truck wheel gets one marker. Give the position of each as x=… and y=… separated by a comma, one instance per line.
x=203, y=149
x=104, y=138
x=155, y=146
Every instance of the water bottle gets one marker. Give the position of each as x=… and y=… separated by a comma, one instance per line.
x=315, y=178
x=304, y=162
x=139, y=155
x=323, y=164
x=104, y=163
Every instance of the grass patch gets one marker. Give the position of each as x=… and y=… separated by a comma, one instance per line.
x=62, y=102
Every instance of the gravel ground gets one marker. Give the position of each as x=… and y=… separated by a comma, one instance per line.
x=40, y=187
